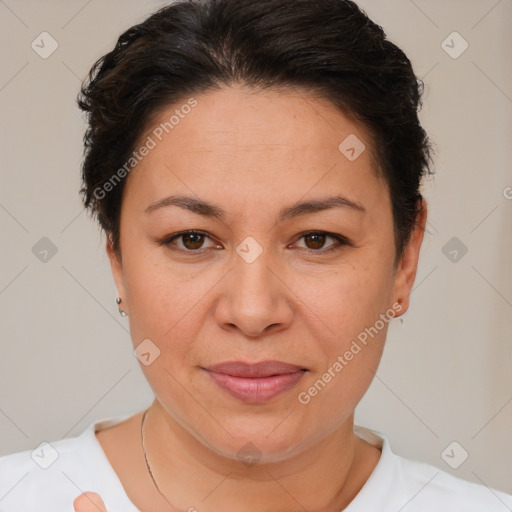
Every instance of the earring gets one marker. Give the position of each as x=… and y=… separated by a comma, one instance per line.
x=400, y=301
x=121, y=312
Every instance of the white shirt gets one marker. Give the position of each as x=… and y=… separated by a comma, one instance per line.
x=75, y=465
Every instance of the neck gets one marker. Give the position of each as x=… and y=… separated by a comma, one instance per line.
x=323, y=477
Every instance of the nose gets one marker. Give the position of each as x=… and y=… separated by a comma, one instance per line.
x=254, y=298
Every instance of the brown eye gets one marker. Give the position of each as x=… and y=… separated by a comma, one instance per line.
x=314, y=241
x=192, y=241
x=317, y=240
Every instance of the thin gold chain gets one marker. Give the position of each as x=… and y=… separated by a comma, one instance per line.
x=151, y=473
x=147, y=462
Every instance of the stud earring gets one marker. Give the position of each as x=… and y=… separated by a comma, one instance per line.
x=400, y=301
x=121, y=312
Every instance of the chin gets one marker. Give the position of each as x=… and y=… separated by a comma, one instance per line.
x=259, y=438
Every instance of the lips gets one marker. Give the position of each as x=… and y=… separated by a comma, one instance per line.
x=255, y=383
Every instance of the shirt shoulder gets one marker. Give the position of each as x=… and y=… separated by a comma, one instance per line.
x=50, y=477
x=399, y=483
x=426, y=486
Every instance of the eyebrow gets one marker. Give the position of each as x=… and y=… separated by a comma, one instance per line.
x=208, y=209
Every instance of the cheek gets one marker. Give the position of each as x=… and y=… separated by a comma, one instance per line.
x=334, y=391
x=167, y=302
x=350, y=299
x=165, y=308
x=356, y=307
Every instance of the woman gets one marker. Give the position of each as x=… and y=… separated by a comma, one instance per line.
x=256, y=169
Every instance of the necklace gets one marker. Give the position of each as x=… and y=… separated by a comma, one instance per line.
x=147, y=462
x=149, y=468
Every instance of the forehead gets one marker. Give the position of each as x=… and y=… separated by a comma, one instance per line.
x=251, y=119
x=282, y=144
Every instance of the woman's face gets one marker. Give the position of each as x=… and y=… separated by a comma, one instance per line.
x=253, y=287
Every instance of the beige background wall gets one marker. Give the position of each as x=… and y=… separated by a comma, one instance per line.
x=66, y=357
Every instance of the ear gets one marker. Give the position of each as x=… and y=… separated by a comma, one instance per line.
x=408, y=264
x=117, y=269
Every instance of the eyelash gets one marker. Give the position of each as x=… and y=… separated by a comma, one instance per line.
x=341, y=241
